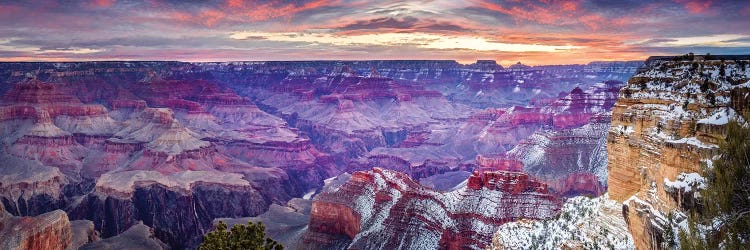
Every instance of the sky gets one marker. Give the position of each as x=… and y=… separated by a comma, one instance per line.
x=533, y=32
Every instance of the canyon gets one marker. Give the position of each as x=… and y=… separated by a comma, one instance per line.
x=360, y=154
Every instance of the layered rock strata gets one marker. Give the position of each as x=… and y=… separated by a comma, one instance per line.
x=666, y=125
x=50, y=230
x=382, y=209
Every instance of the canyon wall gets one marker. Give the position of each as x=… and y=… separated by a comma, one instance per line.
x=48, y=231
x=176, y=145
x=665, y=128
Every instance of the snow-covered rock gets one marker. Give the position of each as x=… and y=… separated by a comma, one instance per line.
x=583, y=223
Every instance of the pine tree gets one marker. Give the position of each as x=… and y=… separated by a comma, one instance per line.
x=669, y=232
x=726, y=198
x=250, y=236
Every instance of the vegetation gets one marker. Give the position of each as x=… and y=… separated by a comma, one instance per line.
x=250, y=236
x=704, y=86
x=726, y=214
x=711, y=97
x=641, y=82
x=669, y=231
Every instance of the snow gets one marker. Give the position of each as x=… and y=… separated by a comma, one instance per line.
x=438, y=210
x=693, y=141
x=309, y=194
x=686, y=182
x=624, y=129
x=584, y=223
x=709, y=164
x=720, y=117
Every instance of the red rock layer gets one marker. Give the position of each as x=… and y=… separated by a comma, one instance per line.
x=49, y=231
x=382, y=209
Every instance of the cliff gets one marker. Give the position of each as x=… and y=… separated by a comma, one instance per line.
x=665, y=126
x=382, y=209
x=50, y=230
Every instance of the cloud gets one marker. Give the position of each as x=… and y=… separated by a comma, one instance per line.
x=420, y=40
x=576, y=14
x=719, y=41
x=103, y=3
x=536, y=31
x=382, y=22
x=696, y=6
x=403, y=24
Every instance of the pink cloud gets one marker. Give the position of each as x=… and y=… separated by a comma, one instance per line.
x=103, y=3
x=556, y=13
x=696, y=6
x=240, y=11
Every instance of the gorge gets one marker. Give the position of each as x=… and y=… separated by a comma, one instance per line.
x=360, y=154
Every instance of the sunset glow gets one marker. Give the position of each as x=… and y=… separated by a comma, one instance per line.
x=535, y=32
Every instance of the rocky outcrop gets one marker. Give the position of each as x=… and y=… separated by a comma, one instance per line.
x=570, y=153
x=179, y=207
x=382, y=209
x=28, y=188
x=138, y=236
x=83, y=232
x=564, y=155
x=46, y=231
x=666, y=124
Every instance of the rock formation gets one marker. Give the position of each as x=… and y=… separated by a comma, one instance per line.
x=382, y=209
x=50, y=230
x=138, y=236
x=83, y=232
x=665, y=126
x=285, y=224
x=161, y=153
x=584, y=223
x=176, y=145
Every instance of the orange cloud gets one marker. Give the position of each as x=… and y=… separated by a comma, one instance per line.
x=245, y=11
x=556, y=13
x=261, y=12
x=530, y=13
x=593, y=21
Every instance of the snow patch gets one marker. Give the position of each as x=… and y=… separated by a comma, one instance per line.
x=686, y=182
x=583, y=223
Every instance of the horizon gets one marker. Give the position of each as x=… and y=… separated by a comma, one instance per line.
x=532, y=32
x=504, y=65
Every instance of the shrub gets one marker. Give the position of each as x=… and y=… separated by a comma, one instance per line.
x=725, y=199
x=250, y=236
